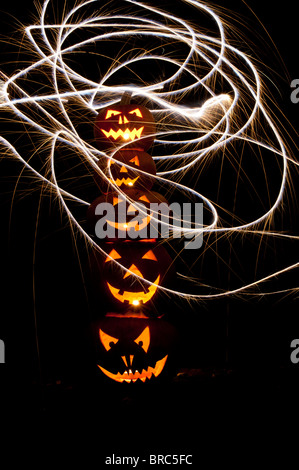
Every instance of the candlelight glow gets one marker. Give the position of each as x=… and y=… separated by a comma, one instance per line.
x=189, y=139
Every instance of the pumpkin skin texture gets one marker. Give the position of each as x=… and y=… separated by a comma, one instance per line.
x=127, y=228
x=121, y=290
x=127, y=177
x=120, y=124
x=129, y=349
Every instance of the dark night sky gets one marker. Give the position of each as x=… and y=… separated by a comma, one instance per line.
x=235, y=331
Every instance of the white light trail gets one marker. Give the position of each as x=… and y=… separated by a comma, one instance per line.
x=209, y=126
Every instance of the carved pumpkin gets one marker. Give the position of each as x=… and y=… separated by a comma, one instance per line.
x=125, y=219
x=121, y=124
x=121, y=288
x=127, y=177
x=131, y=349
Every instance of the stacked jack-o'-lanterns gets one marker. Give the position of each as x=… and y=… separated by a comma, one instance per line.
x=132, y=341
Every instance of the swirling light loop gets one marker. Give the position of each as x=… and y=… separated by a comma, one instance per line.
x=213, y=122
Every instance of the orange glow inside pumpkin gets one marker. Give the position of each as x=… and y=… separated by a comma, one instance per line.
x=111, y=112
x=133, y=298
x=144, y=339
x=126, y=134
x=134, y=224
x=129, y=375
x=135, y=160
x=107, y=340
x=126, y=181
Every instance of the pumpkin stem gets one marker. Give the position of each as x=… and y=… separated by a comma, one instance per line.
x=126, y=98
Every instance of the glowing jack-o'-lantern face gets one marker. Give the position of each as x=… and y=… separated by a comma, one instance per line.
x=131, y=274
x=127, y=219
x=131, y=373
x=125, y=124
x=134, y=297
x=125, y=181
x=125, y=166
x=132, y=349
x=127, y=169
x=126, y=134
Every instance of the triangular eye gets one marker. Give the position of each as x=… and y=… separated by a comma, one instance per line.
x=143, y=340
x=144, y=198
x=116, y=200
x=107, y=340
x=150, y=255
x=110, y=162
x=135, y=160
x=111, y=113
x=137, y=112
x=113, y=254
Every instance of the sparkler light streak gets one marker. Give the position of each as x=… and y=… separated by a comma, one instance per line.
x=187, y=135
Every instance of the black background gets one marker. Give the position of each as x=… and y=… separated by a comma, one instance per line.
x=241, y=348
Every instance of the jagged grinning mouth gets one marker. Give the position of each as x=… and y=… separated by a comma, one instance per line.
x=129, y=225
x=134, y=297
x=126, y=181
x=130, y=376
x=127, y=134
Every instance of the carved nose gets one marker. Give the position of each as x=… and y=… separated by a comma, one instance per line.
x=134, y=270
x=123, y=170
x=121, y=121
x=125, y=359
